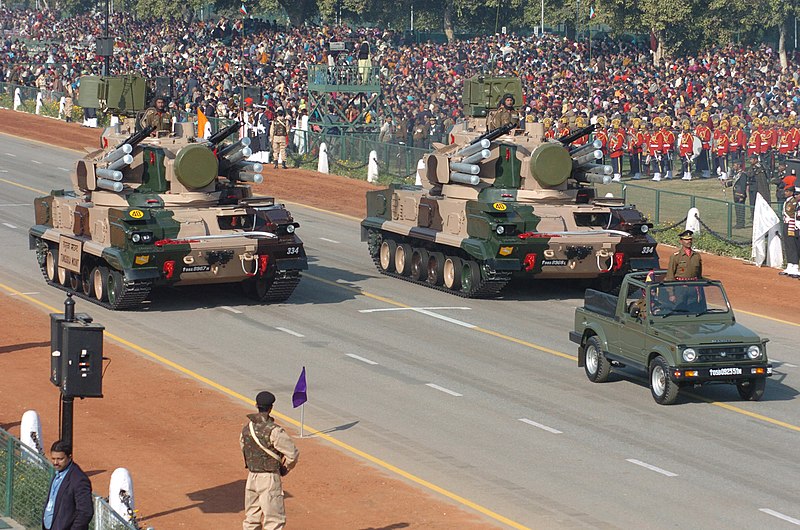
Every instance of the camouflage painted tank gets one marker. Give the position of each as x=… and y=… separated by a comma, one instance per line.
x=498, y=203
x=166, y=209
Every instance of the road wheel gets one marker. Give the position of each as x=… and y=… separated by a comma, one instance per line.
x=751, y=389
x=257, y=288
x=402, y=259
x=596, y=366
x=386, y=254
x=75, y=281
x=419, y=264
x=664, y=390
x=86, y=279
x=51, y=264
x=63, y=276
x=116, y=289
x=435, y=268
x=470, y=276
x=452, y=272
x=100, y=283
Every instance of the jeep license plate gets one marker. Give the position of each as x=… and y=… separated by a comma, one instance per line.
x=724, y=372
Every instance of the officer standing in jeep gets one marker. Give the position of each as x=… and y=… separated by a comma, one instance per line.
x=685, y=264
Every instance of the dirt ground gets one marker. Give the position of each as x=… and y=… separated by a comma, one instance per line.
x=178, y=437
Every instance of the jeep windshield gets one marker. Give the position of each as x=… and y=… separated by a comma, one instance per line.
x=689, y=298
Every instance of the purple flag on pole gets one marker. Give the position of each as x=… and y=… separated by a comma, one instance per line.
x=300, y=396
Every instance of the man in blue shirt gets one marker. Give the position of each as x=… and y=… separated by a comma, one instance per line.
x=69, y=504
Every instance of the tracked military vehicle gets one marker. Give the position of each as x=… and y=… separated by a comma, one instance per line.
x=503, y=202
x=152, y=208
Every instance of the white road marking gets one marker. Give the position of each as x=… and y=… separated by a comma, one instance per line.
x=446, y=319
x=652, y=468
x=539, y=425
x=28, y=294
x=3, y=171
x=425, y=311
x=12, y=155
x=779, y=515
x=36, y=162
x=362, y=359
x=15, y=204
x=329, y=240
x=64, y=169
x=443, y=389
x=290, y=332
x=232, y=310
x=408, y=309
x=9, y=225
x=787, y=365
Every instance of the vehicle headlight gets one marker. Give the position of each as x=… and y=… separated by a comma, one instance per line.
x=290, y=229
x=754, y=352
x=689, y=355
x=136, y=238
x=645, y=229
x=500, y=230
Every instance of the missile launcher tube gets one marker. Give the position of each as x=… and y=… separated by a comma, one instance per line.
x=239, y=155
x=474, y=148
x=463, y=178
x=597, y=144
x=586, y=158
x=477, y=157
x=121, y=163
x=598, y=168
x=470, y=169
x=109, y=185
x=119, y=152
x=253, y=167
x=244, y=142
x=246, y=176
x=110, y=174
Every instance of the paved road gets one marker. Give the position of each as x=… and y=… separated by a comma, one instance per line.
x=481, y=398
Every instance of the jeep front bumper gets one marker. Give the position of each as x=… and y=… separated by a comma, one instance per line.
x=721, y=373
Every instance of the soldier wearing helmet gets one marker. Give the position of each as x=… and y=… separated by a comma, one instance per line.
x=580, y=123
x=504, y=114
x=616, y=147
x=719, y=144
x=686, y=149
x=563, y=130
x=654, y=148
x=703, y=132
x=667, y=148
x=736, y=143
x=601, y=134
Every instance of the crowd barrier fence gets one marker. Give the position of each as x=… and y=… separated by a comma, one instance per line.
x=25, y=477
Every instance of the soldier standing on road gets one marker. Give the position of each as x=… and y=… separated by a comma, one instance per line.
x=279, y=137
x=685, y=264
x=269, y=454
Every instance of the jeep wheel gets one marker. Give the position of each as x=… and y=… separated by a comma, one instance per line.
x=751, y=389
x=664, y=389
x=596, y=366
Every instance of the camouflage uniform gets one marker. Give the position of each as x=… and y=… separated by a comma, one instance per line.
x=160, y=120
x=278, y=132
x=263, y=501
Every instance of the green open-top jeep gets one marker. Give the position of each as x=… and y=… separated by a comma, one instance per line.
x=681, y=333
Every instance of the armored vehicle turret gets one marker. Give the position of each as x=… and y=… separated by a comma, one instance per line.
x=154, y=208
x=504, y=200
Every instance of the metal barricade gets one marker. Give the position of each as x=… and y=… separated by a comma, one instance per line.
x=25, y=477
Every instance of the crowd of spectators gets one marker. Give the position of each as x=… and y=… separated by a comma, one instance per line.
x=421, y=82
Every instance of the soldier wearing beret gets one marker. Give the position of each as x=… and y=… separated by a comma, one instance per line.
x=685, y=264
x=269, y=454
